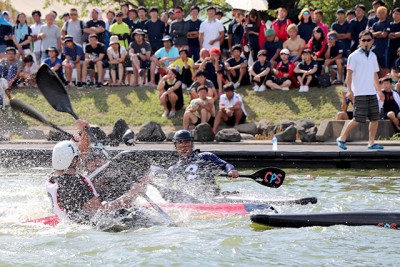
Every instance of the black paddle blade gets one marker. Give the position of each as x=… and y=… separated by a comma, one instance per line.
x=271, y=177
x=35, y=114
x=54, y=90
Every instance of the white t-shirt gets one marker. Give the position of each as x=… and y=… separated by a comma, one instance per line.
x=115, y=55
x=230, y=103
x=35, y=31
x=364, y=69
x=211, y=31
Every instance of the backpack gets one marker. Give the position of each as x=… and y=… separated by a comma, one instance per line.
x=324, y=80
x=84, y=35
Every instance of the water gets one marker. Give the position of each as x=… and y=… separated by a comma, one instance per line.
x=200, y=241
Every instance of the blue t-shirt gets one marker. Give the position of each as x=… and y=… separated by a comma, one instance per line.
x=381, y=44
x=155, y=32
x=355, y=28
x=172, y=53
x=258, y=68
x=342, y=29
x=51, y=64
x=305, y=30
x=74, y=52
x=237, y=31
x=194, y=26
x=271, y=48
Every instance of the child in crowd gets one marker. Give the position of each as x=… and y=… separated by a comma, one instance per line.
x=236, y=66
x=200, y=110
x=391, y=104
x=281, y=76
x=55, y=63
x=260, y=71
x=306, y=71
x=28, y=74
x=170, y=92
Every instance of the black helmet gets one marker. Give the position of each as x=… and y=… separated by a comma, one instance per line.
x=128, y=137
x=182, y=135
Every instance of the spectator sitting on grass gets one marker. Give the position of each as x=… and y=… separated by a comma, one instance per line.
x=200, y=110
x=306, y=71
x=170, y=92
x=333, y=55
x=236, y=66
x=55, y=63
x=201, y=80
x=116, y=54
x=74, y=57
x=214, y=68
x=28, y=73
x=345, y=114
x=260, y=71
x=396, y=71
x=273, y=47
x=184, y=65
x=281, y=78
x=231, y=108
x=391, y=104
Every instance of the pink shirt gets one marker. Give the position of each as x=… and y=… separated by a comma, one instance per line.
x=324, y=28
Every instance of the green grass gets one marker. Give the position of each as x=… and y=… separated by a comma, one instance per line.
x=140, y=105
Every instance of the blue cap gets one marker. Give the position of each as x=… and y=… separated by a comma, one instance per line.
x=166, y=38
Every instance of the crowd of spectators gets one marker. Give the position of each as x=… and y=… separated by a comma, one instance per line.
x=141, y=47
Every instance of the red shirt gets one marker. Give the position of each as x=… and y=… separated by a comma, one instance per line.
x=280, y=28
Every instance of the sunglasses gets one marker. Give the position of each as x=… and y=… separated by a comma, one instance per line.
x=306, y=13
x=366, y=40
x=331, y=38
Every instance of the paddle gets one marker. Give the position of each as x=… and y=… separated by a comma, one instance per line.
x=54, y=91
x=270, y=176
x=35, y=114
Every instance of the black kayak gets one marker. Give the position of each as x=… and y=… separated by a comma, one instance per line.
x=355, y=218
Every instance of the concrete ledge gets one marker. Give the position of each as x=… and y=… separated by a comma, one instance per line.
x=328, y=131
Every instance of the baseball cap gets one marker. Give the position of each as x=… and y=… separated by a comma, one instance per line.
x=340, y=10
x=68, y=38
x=285, y=51
x=138, y=31
x=262, y=53
x=166, y=38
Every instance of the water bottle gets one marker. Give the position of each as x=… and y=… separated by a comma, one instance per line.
x=274, y=143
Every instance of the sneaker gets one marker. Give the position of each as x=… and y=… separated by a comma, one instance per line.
x=301, y=88
x=165, y=114
x=99, y=85
x=236, y=85
x=256, y=88
x=341, y=144
x=375, y=146
x=285, y=88
x=79, y=85
x=306, y=89
x=262, y=88
x=90, y=84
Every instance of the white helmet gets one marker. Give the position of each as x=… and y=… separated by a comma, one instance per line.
x=63, y=154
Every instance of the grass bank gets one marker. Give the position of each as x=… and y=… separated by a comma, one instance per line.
x=139, y=105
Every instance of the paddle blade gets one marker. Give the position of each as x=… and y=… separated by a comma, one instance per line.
x=271, y=177
x=54, y=90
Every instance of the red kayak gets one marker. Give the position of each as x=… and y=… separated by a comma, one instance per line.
x=216, y=208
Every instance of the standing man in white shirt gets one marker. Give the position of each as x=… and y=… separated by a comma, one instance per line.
x=211, y=31
x=35, y=27
x=363, y=85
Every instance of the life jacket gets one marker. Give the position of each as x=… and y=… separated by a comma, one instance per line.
x=51, y=189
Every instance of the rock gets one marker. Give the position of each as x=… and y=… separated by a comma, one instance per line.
x=284, y=125
x=203, y=133
x=288, y=135
x=247, y=128
x=308, y=135
x=247, y=136
x=264, y=127
x=151, y=132
x=98, y=133
x=228, y=135
x=120, y=127
x=306, y=124
x=57, y=136
x=33, y=134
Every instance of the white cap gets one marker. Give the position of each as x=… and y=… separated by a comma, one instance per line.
x=285, y=51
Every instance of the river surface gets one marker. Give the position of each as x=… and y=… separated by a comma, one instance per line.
x=206, y=240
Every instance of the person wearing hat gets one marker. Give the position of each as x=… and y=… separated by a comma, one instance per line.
x=50, y=35
x=120, y=29
x=306, y=24
x=171, y=14
x=200, y=110
x=201, y=80
x=391, y=105
x=334, y=56
x=260, y=71
x=116, y=54
x=96, y=25
x=155, y=30
x=306, y=71
x=166, y=55
x=184, y=65
x=74, y=57
x=140, y=55
x=342, y=27
x=357, y=25
x=273, y=47
x=10, y=67
x=179, y=29
x=95, y=60
x=281, y=77
x=236, y=66
x=231, y=108
x=55, y=63
x=212, y=31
